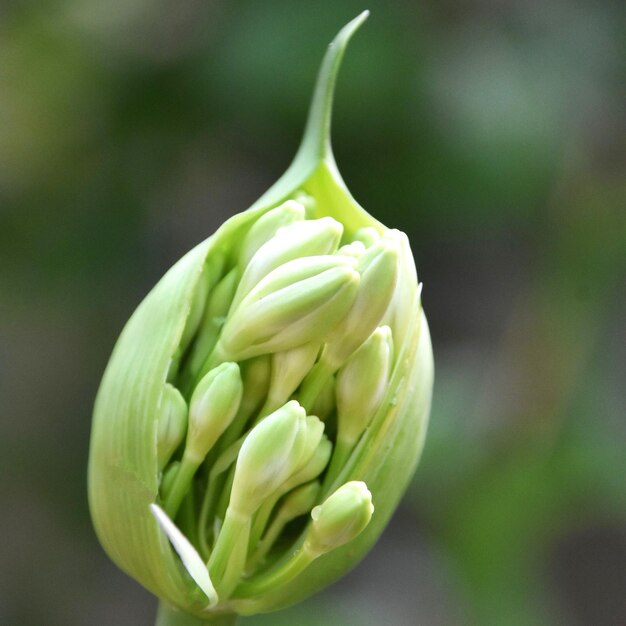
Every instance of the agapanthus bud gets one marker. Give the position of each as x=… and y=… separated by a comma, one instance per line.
x=266, y=458
x=367, y=235
x=378, y=268
x=172, y=424
x=299, y=302
x=361, y=385
x=213, y=406
x=206, y=438
x=301, y=239
x=266, y=227
x=288, y=370
x=341, y=518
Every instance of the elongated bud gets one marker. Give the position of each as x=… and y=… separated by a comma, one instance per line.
x=172, y=424
x=341, y=518
x=266, y=458
x=213, y=406
x=361, y=384
x=266, y=227
x=378, y=267
x=297, y=303
x=212, y=322
x=288, y=370
x=308, y=463
x=404, y=302
x=301, y=239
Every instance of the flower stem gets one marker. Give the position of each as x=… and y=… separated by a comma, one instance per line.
x=169, y=616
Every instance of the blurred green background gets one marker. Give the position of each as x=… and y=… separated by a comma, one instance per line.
x=492, y=132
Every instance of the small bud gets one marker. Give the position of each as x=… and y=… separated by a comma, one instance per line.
x=213, y=406
x=341, y=518
x=368, y=235
x=301, y=239
x=266, y=458
x=297, y=303
x=361, y=384
x=267, y=225
x=378, y=268
x=354, y=249
x=288, y=370
x=172, y=424
x=212, y=322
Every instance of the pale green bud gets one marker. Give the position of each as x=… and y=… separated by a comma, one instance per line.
x=378, y=268
x=212, y=322
x=354, y=249
x=368, y=235
x=172, y=424
x=297, y=303
x=301, y=239
x=340, y=519
x=288, y=370
x=266, y=226
x=266, y=458
x=212, y=408
x=361, y=384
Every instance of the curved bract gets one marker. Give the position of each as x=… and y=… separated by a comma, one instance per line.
x=216, y=428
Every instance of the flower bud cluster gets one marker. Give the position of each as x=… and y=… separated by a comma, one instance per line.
x=286, y=369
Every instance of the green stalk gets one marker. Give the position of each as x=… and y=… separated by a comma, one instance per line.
x=169, y=616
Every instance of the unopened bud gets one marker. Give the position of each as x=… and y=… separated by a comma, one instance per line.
x=361, y=384
x=368, y=235
x=341, y=518
x=301, y=239
x=297, y=303
x=288, y=370
x=213, y=406
x=172, y=424
x=378, y=267
x=266, y=458
x=266, y=226
x=354, y=249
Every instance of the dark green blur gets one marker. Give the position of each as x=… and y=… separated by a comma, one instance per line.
x=493, y=133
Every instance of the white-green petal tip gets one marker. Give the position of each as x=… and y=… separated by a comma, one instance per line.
x=188, y=554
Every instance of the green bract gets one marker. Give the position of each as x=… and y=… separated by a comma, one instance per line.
x=266, y=404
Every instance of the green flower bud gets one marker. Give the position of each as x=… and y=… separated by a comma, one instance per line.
x=172, y=424
x=213, y=406
x=361, y=385
x=248, y=330
x=288, y=370
x=267, y=458
x=341, y=518
x=302, y=239
x=299, y=302
x=367, y=235
x=378, y=268
x=266, y=227
x=213, y=320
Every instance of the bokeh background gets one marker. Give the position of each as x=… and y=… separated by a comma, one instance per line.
x=492, y=132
